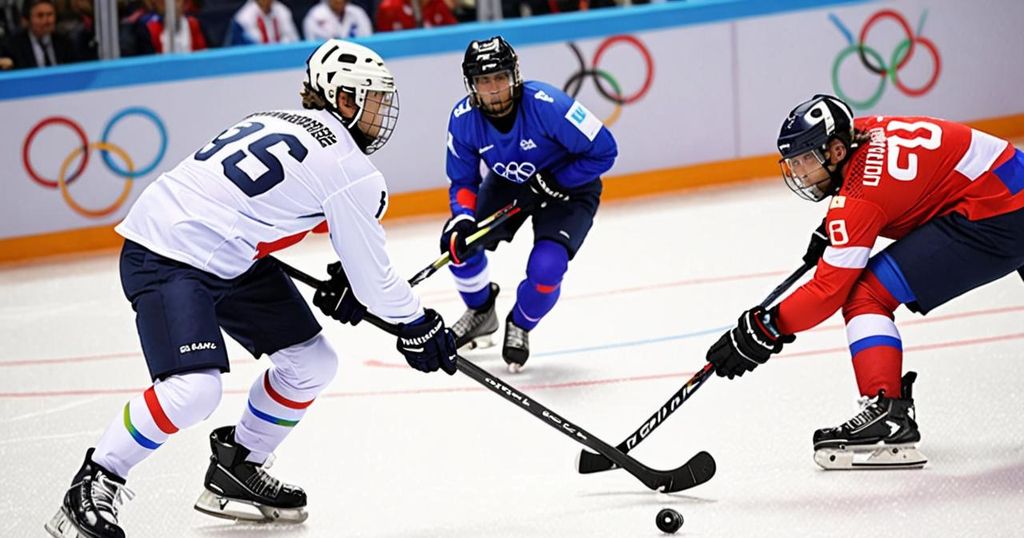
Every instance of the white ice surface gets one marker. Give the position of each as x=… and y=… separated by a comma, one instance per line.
x=387, y=451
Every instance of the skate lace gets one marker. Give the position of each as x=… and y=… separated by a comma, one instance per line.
x=515, y=336
x=108, y=495
x=261, y=482
x=868, y=412
x=468, y=322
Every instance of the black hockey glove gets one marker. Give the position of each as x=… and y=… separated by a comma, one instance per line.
x=749, y=344
x=335, y=298
x=453, y=238
x=546, y=186
x=428, y=344
x=819, y=242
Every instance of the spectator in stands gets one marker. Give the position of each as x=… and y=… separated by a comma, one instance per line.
x=262, y=21
x=336, y=18
x=79, y=25
x=399, y=14
x=153, y=37
x=38, y=44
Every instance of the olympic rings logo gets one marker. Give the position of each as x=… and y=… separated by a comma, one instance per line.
x=875, y=63
x=129, y=170
x=607, y=85
x=514, y=171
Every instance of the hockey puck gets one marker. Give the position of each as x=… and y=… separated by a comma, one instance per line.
x=669, y=520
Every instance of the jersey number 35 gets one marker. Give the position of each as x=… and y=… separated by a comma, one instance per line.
x=260, y=148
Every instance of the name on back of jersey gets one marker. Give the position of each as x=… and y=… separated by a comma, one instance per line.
x=320, y=132
x=874, y=161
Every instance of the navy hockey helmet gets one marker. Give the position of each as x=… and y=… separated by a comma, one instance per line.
x=489, y=57
x=803, y=142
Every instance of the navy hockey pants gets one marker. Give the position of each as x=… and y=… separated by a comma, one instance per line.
x=180, y=311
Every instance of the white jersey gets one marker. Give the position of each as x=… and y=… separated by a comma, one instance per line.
x=263, y=184
x=321, y=23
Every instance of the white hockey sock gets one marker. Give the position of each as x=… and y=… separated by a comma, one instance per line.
x=472, y=276
x=278, y=398
x=147, y=420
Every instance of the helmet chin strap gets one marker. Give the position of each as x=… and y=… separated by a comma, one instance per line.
x=511, y=109
x=352, y=126
x=835, y=172
x=360, y=138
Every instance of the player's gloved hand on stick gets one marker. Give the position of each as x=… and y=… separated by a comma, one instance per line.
x=750, y=343
x=545, y=185
x=428, y=344
x=455, y=234
x=335, y=298
x=816, y=248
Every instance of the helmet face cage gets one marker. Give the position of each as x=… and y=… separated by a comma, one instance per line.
x=490, y=57
x=807, y=176
x=341, y=66
x=377, y=117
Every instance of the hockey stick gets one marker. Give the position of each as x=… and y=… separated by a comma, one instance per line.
x=483, y=228
x=699, y=469
x=589, y=462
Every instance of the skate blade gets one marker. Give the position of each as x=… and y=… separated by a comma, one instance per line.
x=515, y=368
x=480, y=342
x=870, y=458
x=60, y=526
x=215, y=505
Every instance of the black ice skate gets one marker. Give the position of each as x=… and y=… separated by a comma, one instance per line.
x=476, y=326
x=517, y=345
x=241, y=490
x=90, y=506
x=882, y=436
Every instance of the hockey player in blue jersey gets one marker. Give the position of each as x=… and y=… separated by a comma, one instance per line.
x=543, y=149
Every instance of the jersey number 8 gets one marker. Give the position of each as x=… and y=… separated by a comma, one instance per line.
x=259, y=149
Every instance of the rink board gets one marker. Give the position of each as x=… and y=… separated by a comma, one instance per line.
x=702, y=87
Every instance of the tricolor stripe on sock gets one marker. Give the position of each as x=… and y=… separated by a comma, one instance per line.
x=872, y=330
x=279, y=398
x=139, y=438
x=270, y=418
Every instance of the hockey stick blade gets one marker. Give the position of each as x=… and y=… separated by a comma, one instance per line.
x=589, y=462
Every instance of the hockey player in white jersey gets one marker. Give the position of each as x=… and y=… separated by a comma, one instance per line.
x=194, y=262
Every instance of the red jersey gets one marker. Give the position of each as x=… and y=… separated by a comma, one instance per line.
x=911, y=170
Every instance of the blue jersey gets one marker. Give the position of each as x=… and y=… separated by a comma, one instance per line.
x=552, y=132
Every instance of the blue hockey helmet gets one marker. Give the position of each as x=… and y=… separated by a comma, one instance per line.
x=803, y=142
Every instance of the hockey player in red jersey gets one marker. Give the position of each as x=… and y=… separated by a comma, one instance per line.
x=953, y=199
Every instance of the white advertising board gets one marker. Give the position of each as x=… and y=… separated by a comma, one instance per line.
x=672, y=96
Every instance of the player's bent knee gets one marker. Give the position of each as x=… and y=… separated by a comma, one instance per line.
x=548, y=263
x=189, y=398
x=308, y=367
x=869, y=296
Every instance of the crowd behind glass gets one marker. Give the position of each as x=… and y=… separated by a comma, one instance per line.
x=42, y=33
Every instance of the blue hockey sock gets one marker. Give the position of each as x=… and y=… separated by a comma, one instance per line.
x=538, y=294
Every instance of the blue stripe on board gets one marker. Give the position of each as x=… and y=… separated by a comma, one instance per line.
x=261, y=58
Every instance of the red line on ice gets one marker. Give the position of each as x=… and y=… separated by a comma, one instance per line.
x=527, y=387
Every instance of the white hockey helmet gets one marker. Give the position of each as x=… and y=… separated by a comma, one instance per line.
x=342, y=66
